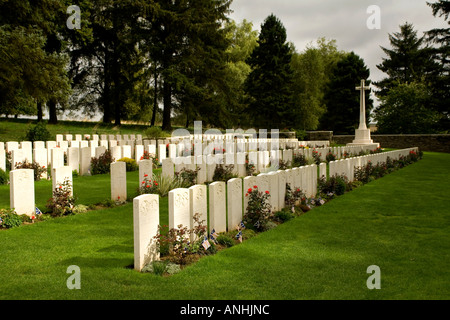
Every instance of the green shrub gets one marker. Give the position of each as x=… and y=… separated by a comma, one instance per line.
x=9, y=219
x=223, y=172
x=130, y=164
x=38, y=170
x=102, y=164
x=225, y=240
x=187, y=177
x=299, y=160
x=4, y=178
x=284, y=215
x=62, y=202
x=38, y=133
x=337, y=184
x=154, y=133
x=258, y=210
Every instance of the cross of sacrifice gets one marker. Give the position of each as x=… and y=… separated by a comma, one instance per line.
x=362, y=110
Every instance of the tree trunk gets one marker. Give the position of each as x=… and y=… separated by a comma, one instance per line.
x=53, y=118
x=167, y=92
x=40, y=113
x=155, y=100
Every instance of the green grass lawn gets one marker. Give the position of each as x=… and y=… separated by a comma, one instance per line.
x=400, y=223
x=15, y=129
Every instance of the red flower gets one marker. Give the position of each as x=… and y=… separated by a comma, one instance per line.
x=298, y=190
x=267, y=192
x=145, y=175
x=246, y=194
x=118, y=197
x=255, y=187
x=249, y=190
x=148, y=186
x=156, y=183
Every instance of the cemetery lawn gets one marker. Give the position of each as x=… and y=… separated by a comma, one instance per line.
x=400, y=223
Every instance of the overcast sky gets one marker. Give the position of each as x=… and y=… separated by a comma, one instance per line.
x=343, y=20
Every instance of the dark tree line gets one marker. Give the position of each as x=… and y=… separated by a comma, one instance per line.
x=179, y=61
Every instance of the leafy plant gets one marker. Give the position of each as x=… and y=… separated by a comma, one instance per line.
x=38, y=169
x=187, y=177
x=336, y=184
x=299, y=160
x=330, y=156
x=316, y=156
x=102, y=164
x=258, y=210
x=223, y=172
x=292, y=197
x=131, y=164
x=284, y=215
x=148, y=186
x=38, y=133
x=154, y=133
x=225, y=240
x=176, y=241
x=9, y=219
x=249, y=167
x=62, y=202
x=4, y=178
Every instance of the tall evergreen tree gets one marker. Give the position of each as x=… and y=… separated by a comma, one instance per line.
x=408, y=60
x=187, y=42
x=341, y=98
x=269, y=84
x=439, y=39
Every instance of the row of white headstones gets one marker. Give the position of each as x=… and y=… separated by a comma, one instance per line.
x=206, y=164
x=79, y=154
x=227, y=201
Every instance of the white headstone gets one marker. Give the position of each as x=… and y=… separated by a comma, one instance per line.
x=22, y=191
x=57, y=155
x=217, y=206
x=234, y=199
x=61, y=174
x=145, y=225
x=73, y=158
x=168, y=168
x=198, y=200
x=273, y=190
x=40, y=157
x=145, y=168
x=119, y=181
x=85, y=161
x=281, y=188
x=179, y=208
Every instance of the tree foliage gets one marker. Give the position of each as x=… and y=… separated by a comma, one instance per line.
x=341, y=98
x=269, y=84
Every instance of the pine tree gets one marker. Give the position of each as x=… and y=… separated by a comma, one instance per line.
x=407, y=61
x=439, y=40
x=270, y=81
x=341, y=98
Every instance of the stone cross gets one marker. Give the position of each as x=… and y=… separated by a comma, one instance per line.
x=362, y=115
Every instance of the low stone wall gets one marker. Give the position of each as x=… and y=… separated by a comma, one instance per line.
x=425, y=142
